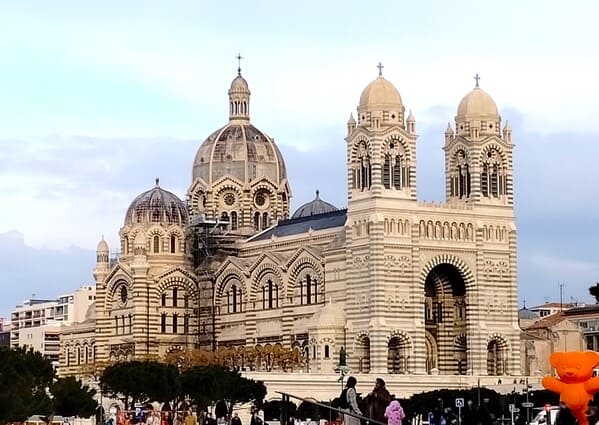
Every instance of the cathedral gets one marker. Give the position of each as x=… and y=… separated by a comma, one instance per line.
x=403, y=287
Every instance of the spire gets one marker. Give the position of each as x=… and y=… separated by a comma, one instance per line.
x=317, y=194
x=238, y=57
x=157, y=185
x=380, y=67
x=476, y=77
x=449, y=130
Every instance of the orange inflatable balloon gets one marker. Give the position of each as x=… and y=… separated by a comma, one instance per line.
x=576, y=384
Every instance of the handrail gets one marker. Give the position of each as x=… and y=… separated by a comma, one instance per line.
x=344, y=412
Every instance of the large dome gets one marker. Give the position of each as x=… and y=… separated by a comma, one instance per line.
x=241, y=151
x=157, y=206
x=477, y=103
x=380, y=94
x=314, y=207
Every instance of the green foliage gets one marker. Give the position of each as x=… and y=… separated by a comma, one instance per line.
x=24, y=377
x=208, y=384
x=594, y=291
x=71, y=398
x=141, y=382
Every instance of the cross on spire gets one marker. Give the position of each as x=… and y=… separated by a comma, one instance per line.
x=380, y=67
x=476, y=77
x=238, y=57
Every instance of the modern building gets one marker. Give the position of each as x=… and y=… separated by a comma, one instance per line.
x=37, y=322
x=4, y=332
x=405, y=287
x=550, y=308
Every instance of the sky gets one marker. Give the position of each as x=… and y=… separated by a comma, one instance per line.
x=99, y=98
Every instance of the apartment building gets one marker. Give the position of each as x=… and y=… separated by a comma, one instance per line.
x=37, y=322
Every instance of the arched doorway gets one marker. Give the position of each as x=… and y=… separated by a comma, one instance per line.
x=363, y=353
x=497, y=350
x=445, y=318
x=398, y=354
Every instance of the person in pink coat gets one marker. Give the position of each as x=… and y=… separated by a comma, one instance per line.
x=394, y=413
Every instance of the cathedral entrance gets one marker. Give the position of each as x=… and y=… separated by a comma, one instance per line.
x=497, y=356
x=445, y=321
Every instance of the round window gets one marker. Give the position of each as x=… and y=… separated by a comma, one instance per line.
x=229, y=199
x=260, y=199
x=124, y=294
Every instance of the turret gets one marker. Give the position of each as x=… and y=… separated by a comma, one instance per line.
x=507, y=133
x=449, y=134
x=411, y=123
x=351, y=124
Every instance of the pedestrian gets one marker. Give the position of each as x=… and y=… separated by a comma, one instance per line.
x=351, y=402
x=190, y=419
x=235, y=420
x=378, y=400
x=394, y=413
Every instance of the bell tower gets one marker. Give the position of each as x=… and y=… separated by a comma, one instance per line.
x=478, y=154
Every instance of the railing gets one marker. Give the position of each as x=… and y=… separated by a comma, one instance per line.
x=285, y=410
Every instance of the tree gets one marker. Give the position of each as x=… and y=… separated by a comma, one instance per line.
x=24, y=377
x=594, y=291
x=141, y=382
x=209, y=384
x=71, y=398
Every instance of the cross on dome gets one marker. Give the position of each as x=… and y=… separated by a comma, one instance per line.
x=380, y=67
x=239, y=58
x=476, y=77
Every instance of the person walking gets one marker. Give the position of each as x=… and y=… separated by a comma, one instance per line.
x=351, y=398
x=394, y=413
x=190, y=419
x=378, y=400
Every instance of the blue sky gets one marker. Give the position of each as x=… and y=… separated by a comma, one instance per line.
x=99, y=98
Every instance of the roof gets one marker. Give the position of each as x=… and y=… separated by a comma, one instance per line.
x=296, y=226
x=547, y=322
x=552, y=305
x=526, y=314
x=582, y=310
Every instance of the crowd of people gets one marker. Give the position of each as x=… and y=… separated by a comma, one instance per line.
x=378, y=405
x=140, y=416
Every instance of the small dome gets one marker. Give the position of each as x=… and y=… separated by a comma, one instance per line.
x=239, y=84
x=331, y=315
x=102, y=246
x=317, y=206
x=526, y=314
x=90, y=314
x=157, y=206
x=477, y=104
x=380, y=94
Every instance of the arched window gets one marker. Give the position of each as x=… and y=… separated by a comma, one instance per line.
x=173, y=244
x=85, y=354
x=175, y=297
x=126, y=245
x=256, y=221
x=78, y=355
x=233, y=220
x=326, y=352
x=308, y=290
x=130, y=324
x=396, y=171
x=270, y=295
x=123, y=325
x=163, y=323
x=265, y=221
x=68, y=356
x=362, y=172
x=186, y=324
x=460, y=176
x=163, y=300
x=224, y=216
x=492, y=179
x=156, y=244
x=175, y=317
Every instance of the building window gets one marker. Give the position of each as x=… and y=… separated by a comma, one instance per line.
x=173, y=244
x=156, y=244
x=308, y=290
x=265, y=220
x=163, y=323
x=270, y=295
x=163, y=301
x=175, y=317
x=257, y=221
x=233, y=220
x=326, y=351
x=175, y=298
x=116, y=325
x=130, y=324
x=186, y=324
